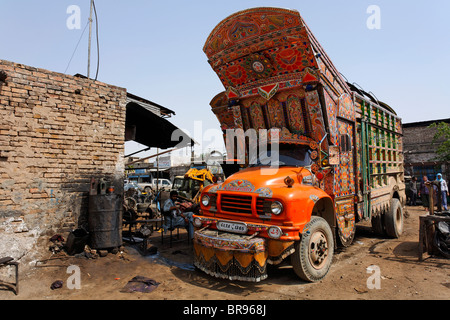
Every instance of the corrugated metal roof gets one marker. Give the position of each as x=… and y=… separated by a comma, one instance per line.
x=152, y=130
x=150, y=105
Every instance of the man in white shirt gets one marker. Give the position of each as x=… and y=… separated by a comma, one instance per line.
x=444, y=191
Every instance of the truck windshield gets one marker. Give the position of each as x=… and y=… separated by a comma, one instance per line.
x=287, y=155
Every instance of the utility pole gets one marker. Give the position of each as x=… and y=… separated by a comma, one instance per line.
x=90, y=36
x=157, y=172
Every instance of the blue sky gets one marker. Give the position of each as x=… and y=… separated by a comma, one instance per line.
x=154, y=48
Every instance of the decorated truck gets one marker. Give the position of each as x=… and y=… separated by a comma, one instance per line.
x=338, y=157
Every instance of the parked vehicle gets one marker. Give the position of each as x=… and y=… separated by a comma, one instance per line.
x=147, y=182
x=144, y=181
x=131, y=185
x=339, y=162
x=162, y=184
x=192, y=183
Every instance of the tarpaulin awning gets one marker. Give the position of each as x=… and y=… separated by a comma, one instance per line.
x=152, y=130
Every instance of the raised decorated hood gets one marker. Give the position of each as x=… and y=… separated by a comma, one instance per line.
x=251, y=47
x=269, y=63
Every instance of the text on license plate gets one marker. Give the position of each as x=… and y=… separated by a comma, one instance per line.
x=232, y=226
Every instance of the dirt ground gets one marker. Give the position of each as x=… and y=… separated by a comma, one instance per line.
x=403, y=276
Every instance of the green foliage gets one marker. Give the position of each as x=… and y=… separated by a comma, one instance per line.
x=442, y=137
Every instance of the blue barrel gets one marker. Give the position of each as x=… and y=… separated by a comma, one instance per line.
x=105, y=221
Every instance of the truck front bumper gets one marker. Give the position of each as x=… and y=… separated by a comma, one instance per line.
x=237, y=257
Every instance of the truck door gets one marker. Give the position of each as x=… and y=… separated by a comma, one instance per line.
x=344, y=186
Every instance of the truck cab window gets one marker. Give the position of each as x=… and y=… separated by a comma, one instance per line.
x=287, y=155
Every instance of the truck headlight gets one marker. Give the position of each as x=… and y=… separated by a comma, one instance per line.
x=276, y=207
x=197, y=222
x=205, y=200
x=275, y=232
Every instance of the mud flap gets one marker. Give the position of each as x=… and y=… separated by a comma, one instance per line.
x=345, y=217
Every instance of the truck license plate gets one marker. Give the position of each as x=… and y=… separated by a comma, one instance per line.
x=238, y=227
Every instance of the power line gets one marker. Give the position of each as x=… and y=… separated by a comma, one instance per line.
x=98, y=43
x=76, y=47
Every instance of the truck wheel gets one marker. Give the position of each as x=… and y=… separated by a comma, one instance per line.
x=130, y=202
x=393, y=219
x=314, y=252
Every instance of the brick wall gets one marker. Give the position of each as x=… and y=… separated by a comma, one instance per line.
x=56, y=133
x=418, y=144
x=419, y=148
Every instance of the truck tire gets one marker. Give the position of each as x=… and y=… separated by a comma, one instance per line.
x=393, y=219
x=314, y=252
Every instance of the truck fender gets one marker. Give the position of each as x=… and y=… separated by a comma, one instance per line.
x=324, y=208
x=396, y=191
x=320, y=204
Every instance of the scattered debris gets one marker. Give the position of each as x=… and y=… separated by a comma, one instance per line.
x=57, y=245
x=76, y=241
x=140, y=284
x=102, y=253
x=122, y=254
x=54, y=256
x=57, y=238
x=360, y=291
x=89, y=253
x=56, y=285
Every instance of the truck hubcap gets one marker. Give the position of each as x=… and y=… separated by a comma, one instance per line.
x=318, y=250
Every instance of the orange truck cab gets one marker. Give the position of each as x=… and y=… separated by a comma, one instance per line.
x=333, y=156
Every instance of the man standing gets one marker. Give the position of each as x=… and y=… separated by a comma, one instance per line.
x=444, y=190
x=413, y=191
x=424, y=193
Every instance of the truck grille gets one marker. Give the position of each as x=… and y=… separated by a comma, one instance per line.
x=236, y=204
x=241, y=204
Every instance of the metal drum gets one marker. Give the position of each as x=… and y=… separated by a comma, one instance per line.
x=105, y=221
